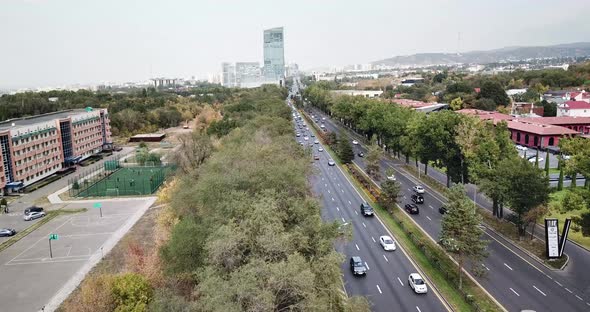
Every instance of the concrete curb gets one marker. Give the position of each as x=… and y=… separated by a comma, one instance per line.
x=63, y=293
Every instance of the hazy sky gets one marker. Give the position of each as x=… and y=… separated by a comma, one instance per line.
x=56, y=42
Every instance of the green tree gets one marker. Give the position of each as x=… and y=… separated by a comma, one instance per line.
x=573, y=201
x=583, y=221
x=547, y=164
x=560, y=180
x=373, y=160
x=493, y=90
x=389, y=194
x=579, y=150
x=456, y=104
x=345, y=151
x=461, y=232
x=549, y=108
x=528, y=187
x=537, y=159
x=485, y=104
x=131, y=292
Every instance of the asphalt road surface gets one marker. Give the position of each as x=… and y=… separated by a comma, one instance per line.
x=514, y=279
x=385, y=284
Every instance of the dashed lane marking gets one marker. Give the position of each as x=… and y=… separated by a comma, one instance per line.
x=400, y=281
x=569, y=291
x=427, y=217
x=514, y=292
x=373, y=238
x=357, y=247
x=338, y=209
x=542, y=293
x=364, y=224
x=579, y=298
x=508, y=267
x=343, y=220
x=558, y=283
x=385, y=258
x=379, y=289
x=367, y=266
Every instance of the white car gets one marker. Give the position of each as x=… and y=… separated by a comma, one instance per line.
x=305, y=138
x=532, y=160
x=323, y=118
x=355, y=142
x=34, y=215
x=322, y=126
x=320, y=149
x=521, y=148
x=331, y=163
x=417, y=283
x=391, y=178
x=316, y=142
x=418, y=189
x=387, y=243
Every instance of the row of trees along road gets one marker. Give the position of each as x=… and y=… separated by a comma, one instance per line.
x=466, y=149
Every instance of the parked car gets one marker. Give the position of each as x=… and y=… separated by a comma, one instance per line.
x=521, y=148
x=417, y=283
x=532, y=160
x=7, y=232
x=418, y=189
x=357, y=266
x=33, y=209
x=34, y=215
x=117, y=148
x=412, y=209
x=366, y=210
x=387, y=243
x=418, y=199
x=442, y=209
x=391, y=177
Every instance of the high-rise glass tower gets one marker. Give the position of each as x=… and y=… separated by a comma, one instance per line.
x=274, y=54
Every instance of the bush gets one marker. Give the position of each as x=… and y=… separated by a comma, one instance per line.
x=131, y=292
x=166, y=301
x=95, y=295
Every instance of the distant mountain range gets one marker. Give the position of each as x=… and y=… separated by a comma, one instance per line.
x=578, y=49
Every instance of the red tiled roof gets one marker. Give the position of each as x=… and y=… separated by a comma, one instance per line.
x=563, y=120
x=574, y=94
x=411, y=103
x=575, y=105
x=524, y=124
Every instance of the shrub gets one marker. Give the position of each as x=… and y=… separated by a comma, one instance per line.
x=95, y=295
x=131, y=292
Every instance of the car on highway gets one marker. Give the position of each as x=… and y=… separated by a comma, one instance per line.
x=7, y=232
x=357, y=266
x=322, y=126
x=355, y=142
x=418, y=199
x=316, y=142
x=361, y=154
x=331, y=163
x=418, y=189
x=367, y=210
x=387, y=243
x=316, y=157
x=417, y=283
x=320, y=149
x=323, y=118
x=300, y=143
x=521, y=148
x=33, y=209
x=412, y=208
x=442, y=209
x=305, y=138
x=297, y=134
x=391, y=177
x=34, y=215
x=312, y=135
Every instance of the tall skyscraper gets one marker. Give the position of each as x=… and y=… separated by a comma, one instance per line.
x=274, y=54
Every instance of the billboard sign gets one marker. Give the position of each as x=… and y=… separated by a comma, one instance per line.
x=552, y=238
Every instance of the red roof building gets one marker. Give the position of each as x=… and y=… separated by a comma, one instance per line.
x=525, y=131
x=579, y=124
x=574, y=108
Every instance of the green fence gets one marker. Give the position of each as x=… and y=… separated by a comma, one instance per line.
x=113, y=180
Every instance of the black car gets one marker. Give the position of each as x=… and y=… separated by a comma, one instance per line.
x=33, y=209
x=442, y=210
x=412, y=208
x=418, y=199
x=7, y=232
x=357, y=266
x=366, y=210
x=361, y=154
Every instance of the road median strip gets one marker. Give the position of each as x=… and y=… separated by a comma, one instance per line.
x=50, y=216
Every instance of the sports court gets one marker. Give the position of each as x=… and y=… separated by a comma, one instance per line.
x=127, y=181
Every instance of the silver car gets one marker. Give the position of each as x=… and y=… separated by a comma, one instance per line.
x=34, y=215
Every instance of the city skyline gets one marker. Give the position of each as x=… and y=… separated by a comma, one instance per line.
x=65, y=42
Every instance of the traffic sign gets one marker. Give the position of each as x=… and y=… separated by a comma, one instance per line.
x=97, y=205
x=53, y=237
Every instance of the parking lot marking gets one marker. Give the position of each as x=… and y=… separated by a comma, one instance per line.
x=379, y=289
x=357, y=247
x=385, y=258
x=508, y=267
x=427, y=217
x=542, y=293
x=400, y=281
x=514, y=292
x=373, y=238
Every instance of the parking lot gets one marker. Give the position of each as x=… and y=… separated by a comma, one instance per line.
x=35, y=277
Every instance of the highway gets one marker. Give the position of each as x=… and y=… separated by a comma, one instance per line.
x=385, y=284
x=513, y=278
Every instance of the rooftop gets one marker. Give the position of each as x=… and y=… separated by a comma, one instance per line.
x=563, y=120
x=575, y=105
x=31, y=120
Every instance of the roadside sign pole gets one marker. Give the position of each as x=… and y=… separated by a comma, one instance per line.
x=50, y=252
x=99, y=206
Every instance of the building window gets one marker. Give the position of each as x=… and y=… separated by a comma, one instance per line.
x=518, y=137
x=526, y=139
x=551, y=141
x=536, y=140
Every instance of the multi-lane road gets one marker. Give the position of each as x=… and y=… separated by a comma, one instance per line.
x=385, y=284
x=513, y=278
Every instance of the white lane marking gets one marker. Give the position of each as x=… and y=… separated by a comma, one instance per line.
x=329, y=192
x=385, y=258
x=342, y=191
x=483, y=265
x=571, y=292
x=418, y=309
x=400, y=281
x=364, y=224
x=549, y=277
x=343, y=220
x=357, y=247
x=558, y=283
x=326, y=185
x=542, y=293
x=508, y=267
x=367, y=266
x=373, y=238
x=579, y=298
x=514, y=292
x=338, y=209
x=409, y=190
x=430, y=206
x=332, y=198
x=379, y=289
x=349, y=202
x=427, y=217
x=357, y=213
